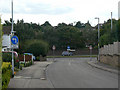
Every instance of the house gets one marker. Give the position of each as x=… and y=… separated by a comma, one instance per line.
x=6, y=42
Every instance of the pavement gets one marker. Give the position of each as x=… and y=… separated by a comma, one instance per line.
x=33, y=76
x=103, y=66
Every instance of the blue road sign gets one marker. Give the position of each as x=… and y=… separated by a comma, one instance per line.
x=68, y=47
x=14, y=40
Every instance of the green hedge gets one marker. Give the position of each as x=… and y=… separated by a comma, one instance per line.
x=28, y=63
x=6, y=74
x=7, y=57
x=0, y=54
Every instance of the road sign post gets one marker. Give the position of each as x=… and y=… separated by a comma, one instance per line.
x=68, y=48
x=90, y=47
x=14, y=45
x=53, y=47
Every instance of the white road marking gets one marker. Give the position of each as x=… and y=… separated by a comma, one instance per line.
x=69, y=63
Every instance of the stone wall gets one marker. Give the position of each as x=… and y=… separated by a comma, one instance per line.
x=110, y=54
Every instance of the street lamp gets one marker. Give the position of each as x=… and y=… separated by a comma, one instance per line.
x=98, y=39
x=12, y=33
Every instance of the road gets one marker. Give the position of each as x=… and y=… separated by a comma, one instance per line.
x=64, y=73
x=76, y=73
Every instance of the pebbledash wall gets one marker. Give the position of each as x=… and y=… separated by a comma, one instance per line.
x=110, y=54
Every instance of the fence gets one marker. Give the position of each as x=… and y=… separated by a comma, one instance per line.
x=25, y=58
x=110, y=54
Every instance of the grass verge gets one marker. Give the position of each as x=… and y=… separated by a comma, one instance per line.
x=76, y=56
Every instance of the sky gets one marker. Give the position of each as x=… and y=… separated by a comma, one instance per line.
x=58, y=11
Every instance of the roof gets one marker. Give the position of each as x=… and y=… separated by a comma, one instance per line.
x=7, y=30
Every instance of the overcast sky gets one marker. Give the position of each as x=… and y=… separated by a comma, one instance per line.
x=58, y=11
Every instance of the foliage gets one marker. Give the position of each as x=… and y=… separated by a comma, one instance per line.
x=118, y=30
x=27, y=64
x=38, y=47
x=7, y=57
x=108, y=36
x=0, y=53
x=6, y=74
x=76, y=36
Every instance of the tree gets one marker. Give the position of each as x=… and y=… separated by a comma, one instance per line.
x=118, y=30
x=78, y=24
x=106, y=35
x=37, y=47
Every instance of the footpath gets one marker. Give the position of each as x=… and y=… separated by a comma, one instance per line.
x=103, y=66
x=32, y=77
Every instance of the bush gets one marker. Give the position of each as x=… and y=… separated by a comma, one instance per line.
x=6, y=74
x=7, y=57
x=31, y=62
x=37, y=58
x=27, y=64
x=0, y=52
x=20, y=67
x=38, y=47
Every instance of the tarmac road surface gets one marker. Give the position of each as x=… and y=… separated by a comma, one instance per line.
x=76, y=73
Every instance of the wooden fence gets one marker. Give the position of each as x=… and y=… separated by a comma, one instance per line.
x=25, y=58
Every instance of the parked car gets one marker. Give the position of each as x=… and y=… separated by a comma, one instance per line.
x=66, y=53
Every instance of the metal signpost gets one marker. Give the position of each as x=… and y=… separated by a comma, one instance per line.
x=68, y=48
x=90, y=47
x=53, y=51
x=14, y=41
x=14, y=45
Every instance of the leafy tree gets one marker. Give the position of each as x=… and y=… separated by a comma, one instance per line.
x=118, y=30
x=79, y=25
x=106, y=35
x=64, y=34
x=37, y=47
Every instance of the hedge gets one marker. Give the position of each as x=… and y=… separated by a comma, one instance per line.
x=7, y=57
x=0, y=54
x=6, y=74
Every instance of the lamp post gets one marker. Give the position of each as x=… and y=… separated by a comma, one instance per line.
x=111, y=21
x=12, y=33
x=98, y=39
